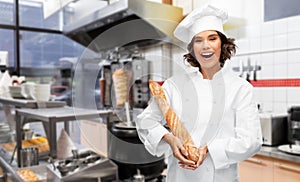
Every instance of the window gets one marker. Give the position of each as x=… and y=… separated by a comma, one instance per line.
x=31, y=14
x=7, y=12
x=7, y=44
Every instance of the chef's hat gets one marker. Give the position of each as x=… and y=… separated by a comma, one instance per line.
x=199, y=20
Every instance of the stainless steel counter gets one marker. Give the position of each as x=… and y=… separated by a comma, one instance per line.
x=50, y=117
x=275, y=153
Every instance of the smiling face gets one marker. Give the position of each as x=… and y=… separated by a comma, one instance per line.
x=207, y=50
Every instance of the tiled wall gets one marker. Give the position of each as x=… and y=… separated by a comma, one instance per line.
x=275, y=46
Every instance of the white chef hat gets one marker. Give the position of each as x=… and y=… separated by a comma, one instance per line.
x=199, y=20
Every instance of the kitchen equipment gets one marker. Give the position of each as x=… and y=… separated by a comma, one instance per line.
x=274, y=128
x=6, y=135
x=83, y=166
x=129, y=153
x=141, y=76
x=132, y=17
x=138, y=177
x=294, y=125
x=29, y=156
x=106, y=84
x=27, y=134
x=138, y=71
x=290, y=148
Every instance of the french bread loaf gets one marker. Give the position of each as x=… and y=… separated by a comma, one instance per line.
x=175, y=125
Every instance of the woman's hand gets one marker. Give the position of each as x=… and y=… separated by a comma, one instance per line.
x=203, y=153
x=179, y=151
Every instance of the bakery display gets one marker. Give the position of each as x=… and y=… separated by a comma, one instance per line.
x=40, y=142
x=174, y=123
x=28, y=175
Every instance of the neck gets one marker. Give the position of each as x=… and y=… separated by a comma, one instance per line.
x=209, y=73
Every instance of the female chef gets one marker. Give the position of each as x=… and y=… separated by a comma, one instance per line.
x=215, y=105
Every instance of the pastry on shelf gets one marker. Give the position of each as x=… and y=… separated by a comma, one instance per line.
x=28, y=175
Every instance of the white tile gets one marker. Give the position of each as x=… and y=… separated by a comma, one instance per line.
x=293, y=95
x=280, y=57
x=267, y=43
x=293, y=24
x=293, y=71
x=267, y=29
x=280, y=107
x=280, y=71
x=280, y=41
x=266, y=72
x=267, y=95
x=267, y=58
x=267, y=107
x=257, y=94
x=293, y=56
x=253, y=31
x=242, y=46
x=280, y=94
x=255, y=44
x=280, y=26
x=293, y=40
x=242, y=33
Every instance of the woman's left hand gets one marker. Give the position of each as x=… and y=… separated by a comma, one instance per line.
x=203, y=153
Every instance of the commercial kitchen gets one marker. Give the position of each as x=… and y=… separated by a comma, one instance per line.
x=60, y=117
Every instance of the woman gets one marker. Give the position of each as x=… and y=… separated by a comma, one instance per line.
x=215, y=106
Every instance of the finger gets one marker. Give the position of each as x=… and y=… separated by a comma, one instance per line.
x=188, y=167
x=182, y=159
x=183, y=151
x=185, y=161
x=200, y=160
x=202, y=156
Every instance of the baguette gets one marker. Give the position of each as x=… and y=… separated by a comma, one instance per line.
x=175, y=125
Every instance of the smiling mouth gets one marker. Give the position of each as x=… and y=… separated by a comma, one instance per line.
x=207, y=55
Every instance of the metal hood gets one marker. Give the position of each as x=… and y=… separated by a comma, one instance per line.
x=124, y=23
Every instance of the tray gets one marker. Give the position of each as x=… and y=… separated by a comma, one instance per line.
x=39, y=171
x=40, y=142
x=291, y=149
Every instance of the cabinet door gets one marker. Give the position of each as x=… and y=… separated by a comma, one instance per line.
x=257, y=168
x=286, y=171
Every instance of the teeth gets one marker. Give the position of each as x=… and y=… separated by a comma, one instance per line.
x=207, y=55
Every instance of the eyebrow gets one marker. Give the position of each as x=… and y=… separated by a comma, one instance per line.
x=211, y=35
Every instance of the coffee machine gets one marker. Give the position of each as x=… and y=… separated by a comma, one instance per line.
x=294, y=125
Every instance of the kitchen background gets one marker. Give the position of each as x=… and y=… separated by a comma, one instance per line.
x=52, y=48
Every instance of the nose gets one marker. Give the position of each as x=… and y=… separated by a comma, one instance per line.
x=205, y=45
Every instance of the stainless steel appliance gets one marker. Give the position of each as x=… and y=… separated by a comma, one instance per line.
x=141, y=76
x=131, y=17
x=29, y=156
x=128, y=152
x=85, y=166
x=294, y=125
x=274, y=129
x=138, y=70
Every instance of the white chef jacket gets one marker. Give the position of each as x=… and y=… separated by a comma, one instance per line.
x=237, y=136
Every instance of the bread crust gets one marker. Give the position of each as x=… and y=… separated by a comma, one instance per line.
x=175, y=125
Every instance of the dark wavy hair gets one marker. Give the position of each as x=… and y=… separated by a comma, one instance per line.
x=228, y=48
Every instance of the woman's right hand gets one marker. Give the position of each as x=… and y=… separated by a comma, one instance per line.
x=179, y=151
